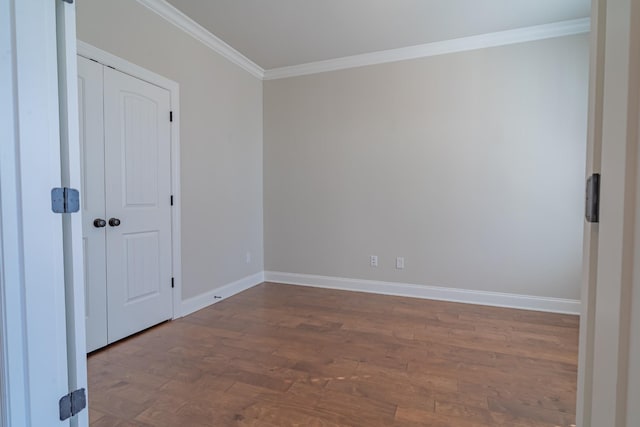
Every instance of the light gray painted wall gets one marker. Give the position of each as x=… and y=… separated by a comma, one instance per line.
x=469, y=165
x=221, y=138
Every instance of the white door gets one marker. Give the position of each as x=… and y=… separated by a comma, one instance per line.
x=138, y=191
x=125, y=138
x=90, y=105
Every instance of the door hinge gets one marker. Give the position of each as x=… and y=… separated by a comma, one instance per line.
x=172, y=200
x=72, y=403
x=65, y=200
x=592, y=199
x=172, y=283
x=170, y=116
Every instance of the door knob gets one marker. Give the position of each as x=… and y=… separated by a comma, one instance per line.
x=99, y=223
x=114, y=222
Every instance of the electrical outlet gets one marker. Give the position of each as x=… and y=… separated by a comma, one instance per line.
x=400, y=263
x=374, y=260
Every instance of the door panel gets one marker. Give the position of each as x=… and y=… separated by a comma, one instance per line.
x=90, y=107
x=140, y=166
x=137, y=173
x=142, y=259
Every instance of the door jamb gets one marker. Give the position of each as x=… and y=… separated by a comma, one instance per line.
x=71, y=224
x=590, y=242
x=91, y=52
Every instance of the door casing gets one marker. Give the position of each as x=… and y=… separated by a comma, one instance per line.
x=33, y=324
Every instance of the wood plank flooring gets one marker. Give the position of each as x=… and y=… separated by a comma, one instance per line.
x=279, y=355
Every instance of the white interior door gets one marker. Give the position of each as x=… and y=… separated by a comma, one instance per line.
x=90, y=106
x=138, y=191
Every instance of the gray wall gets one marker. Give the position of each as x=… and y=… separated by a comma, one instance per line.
x=469, y=165
x=221, y=138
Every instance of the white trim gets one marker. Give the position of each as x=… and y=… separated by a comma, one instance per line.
x=31, y=235
x=199, y=302
x=519, y=35
x=13, y=333
x=590, y=240
x=496, y=299
x=92, y=52
x=195, y=30
x=73, y=247
x=176, y=221
x=106, y=58
x=8, y=191
x=500, y=38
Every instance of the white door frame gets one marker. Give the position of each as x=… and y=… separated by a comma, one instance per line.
x=590, y=242
x=105, y=58
x=33, y=323
x=608, y=348
x=72, y=224
x=7, y=133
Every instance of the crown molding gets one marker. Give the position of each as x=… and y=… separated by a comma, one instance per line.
x=500, y=38
x=195, y=30
x=519, y=35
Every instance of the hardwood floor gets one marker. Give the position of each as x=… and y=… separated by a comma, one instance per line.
x=279, y=355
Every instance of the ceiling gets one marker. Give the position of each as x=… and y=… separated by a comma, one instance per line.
x=279, y=33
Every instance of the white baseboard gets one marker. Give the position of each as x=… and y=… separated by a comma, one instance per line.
x=199, y=302
x=497, y=299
